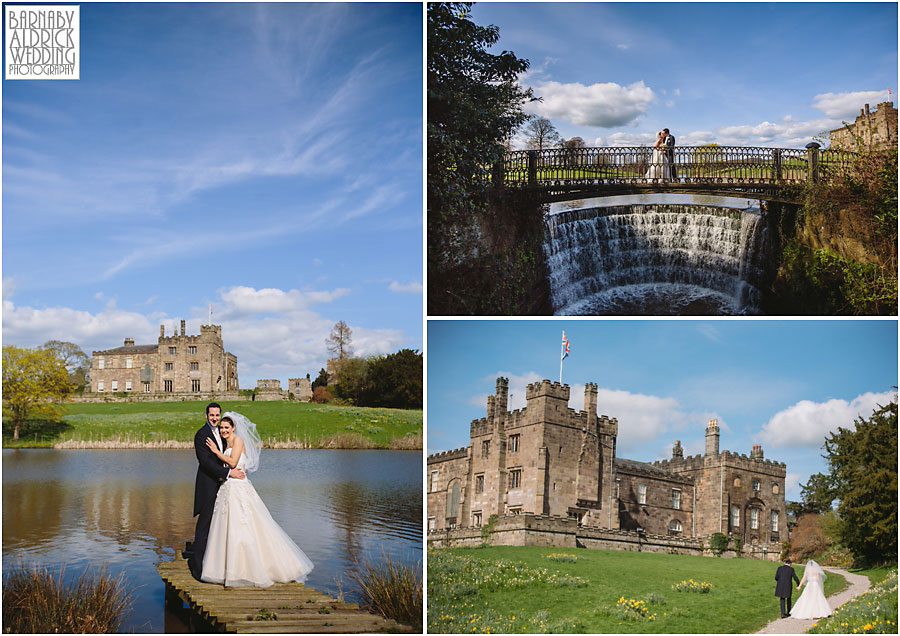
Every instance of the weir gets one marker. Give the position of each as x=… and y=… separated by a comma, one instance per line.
x=661, y=259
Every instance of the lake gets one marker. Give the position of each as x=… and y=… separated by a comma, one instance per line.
x=127, y=510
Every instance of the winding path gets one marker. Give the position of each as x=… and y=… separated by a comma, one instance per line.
x=858, y=585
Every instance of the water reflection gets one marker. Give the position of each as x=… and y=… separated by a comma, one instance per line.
x=128, y=510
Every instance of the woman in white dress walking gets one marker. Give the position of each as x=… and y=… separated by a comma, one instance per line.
x=246, y=546
x=812, y=602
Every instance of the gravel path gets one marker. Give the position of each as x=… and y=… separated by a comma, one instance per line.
x=858, y=585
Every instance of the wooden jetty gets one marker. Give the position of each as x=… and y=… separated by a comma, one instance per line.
x=283, y=608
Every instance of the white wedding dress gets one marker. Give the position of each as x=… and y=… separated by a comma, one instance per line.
x=246, y=546
x=812, y=602
x=660, y=168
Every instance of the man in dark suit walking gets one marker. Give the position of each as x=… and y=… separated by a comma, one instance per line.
x=211, y=473
x=783, y=576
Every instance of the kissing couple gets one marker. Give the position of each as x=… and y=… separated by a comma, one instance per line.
x=662, y=159
x=236, y=542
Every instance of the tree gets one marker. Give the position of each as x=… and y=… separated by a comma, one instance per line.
x=339, y=341
x=352, y=380
x=34, y=381
x=321, y=395
x=541, y=133
x=321, y=379
x=571, y=147
x=75, y=360
x=863, y=465
x=396, y=380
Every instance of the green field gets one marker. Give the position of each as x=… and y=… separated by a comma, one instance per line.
x=519, y=589
x=292, y=424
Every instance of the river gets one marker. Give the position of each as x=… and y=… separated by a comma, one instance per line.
x=127, y=510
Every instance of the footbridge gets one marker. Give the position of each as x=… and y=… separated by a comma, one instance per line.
x=771, y=174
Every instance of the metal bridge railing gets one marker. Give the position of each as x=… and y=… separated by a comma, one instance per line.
x=725, y=165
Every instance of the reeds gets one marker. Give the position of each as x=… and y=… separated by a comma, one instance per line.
x=393, y=590
x=37, y=601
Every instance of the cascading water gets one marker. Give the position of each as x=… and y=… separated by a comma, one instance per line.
x=660, y=259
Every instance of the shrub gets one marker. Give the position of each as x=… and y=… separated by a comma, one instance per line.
x=391, y=589
x=321, y=395
x=37, y=601
x=718, y=543
x=807, y=538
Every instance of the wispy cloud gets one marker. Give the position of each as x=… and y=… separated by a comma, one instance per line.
x=412, y=287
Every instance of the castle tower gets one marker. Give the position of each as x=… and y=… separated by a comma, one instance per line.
x=502, y=401
x=590, y=402
x=677, y=451
x=712, y=437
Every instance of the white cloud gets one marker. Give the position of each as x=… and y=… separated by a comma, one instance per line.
x=623, y=47
x=411, y=287
x=846, y=106
x=244, y=301
x=605, y=105
x=807, y=423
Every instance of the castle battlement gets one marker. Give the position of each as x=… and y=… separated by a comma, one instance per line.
x=456, y=453
x=545, y=388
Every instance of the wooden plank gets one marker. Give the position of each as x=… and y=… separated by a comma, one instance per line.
x=296, y=606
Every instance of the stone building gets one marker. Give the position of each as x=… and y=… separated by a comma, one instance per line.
x=873, y=129
x=301, y=388
x=175, y=364
x=550, y=461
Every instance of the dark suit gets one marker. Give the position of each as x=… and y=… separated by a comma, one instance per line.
x=210, y=475
x=670, y=153
x=783, y=589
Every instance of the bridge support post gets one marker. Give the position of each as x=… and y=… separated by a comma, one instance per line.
x=776, y=164
x=813, y=165
x=532, y=167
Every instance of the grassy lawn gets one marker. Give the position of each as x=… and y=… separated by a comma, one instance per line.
x=302, y=424
x=519, y=589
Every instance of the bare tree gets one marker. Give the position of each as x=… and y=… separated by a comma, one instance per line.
x=339, y=341
x=541, y=133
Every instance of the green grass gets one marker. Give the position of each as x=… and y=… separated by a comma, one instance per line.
x=874, y=612
x=518, y=589
x=313, y=425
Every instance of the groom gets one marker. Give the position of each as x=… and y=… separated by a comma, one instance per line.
x=210, y=475
x=783, y=577
x=670, y=151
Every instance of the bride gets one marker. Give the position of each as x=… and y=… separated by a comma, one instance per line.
x=660, y=168
x=246, y=546
x=812, y=602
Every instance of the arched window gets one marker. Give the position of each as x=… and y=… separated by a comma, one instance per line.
x=452, y=500
x=737, y=482
x=756, y=485
x=674, y=526
x=774, y=489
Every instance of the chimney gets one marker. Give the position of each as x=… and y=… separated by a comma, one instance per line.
x=162, y=331
x=712, y=437
x=677, y=451
x=502, y=401
x=182, y=327
x=867, y=109
x=129, y=342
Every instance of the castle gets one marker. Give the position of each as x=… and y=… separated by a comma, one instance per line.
x=551, y=471
x=175, y=364
x=875, y=130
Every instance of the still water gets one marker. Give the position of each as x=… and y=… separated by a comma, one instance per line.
x=127, y=510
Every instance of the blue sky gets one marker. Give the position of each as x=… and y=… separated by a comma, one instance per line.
x=782, y=384
x=266, y=159
x=756, y=74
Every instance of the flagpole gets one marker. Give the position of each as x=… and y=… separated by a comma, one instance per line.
x=562, y=352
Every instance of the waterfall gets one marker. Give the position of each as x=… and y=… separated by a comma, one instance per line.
x=654, y=260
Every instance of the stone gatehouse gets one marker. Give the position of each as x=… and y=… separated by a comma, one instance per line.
x=550, y=461
x=175, y=364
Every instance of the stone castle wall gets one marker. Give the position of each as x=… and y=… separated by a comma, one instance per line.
x=871, y=130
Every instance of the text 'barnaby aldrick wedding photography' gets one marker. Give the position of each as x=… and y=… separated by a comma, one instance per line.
x=42, y=42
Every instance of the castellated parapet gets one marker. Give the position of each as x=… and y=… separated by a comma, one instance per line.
x=552, y=461
x=872, y=130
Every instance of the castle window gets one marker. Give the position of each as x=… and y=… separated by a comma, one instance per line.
x=195, y=385
x=127, y=385
x=101, y=363
x=674, y=526
x=514, y=511
x=430, y=524
x=192, y=350
x=476, y=519
x=169, y=366
x=735, y=516
x=513, y=443
x=195, y=366
x=756, y=485
x=172, y=351
x=773, y=519
x=642, y=493
x=737, y=482
x=515, y=479
x=754, y=518
x=775, y=489
x=100, y=385
x=167, y=386
x=676, y=498
x=452, y=501
x=479, y=484
x=146, y=387
x=128, y=362
x=432, y=486
x=618, y=483
x=485, y=448
x=115, y=385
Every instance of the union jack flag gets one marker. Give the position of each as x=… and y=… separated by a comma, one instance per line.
x=565, y=347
